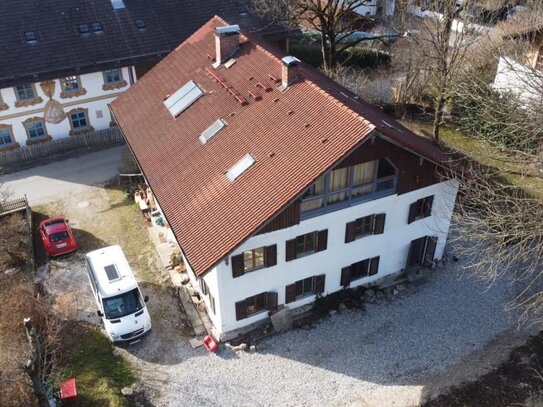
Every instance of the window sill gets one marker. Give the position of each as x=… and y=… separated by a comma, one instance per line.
x=73, y=94
x=305, y=254
x=4, y=106
x=113, y=86
x=10, y=147
x=256, y=313
x=82, y=131
x=27, y=103
x=39, y=140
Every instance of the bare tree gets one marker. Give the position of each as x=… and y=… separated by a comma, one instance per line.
x=335, y=20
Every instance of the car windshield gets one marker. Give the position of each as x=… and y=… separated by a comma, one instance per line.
x=122, y=305
x=55, y=237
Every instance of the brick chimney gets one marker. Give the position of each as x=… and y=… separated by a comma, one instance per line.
x=226, y=43
x=289, y=72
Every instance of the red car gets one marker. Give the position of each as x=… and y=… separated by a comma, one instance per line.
x=57, y=236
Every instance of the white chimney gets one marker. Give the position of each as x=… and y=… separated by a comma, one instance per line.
x=289, y=72
x=226, y=43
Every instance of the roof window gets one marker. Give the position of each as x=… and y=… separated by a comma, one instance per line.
x=117, y=4
x=140, y=25
x=240, y=167
x=97, y=28
x=183, y=98
x=30, y=37
x=211, y=131
x=84, y=30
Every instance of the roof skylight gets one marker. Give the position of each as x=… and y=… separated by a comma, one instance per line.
x=117, y=4
x=30, y=37
x=97, y=28
x=240, y=167
x=140, y=25
x=84, y=30
x=183, y=98
x=211, y=131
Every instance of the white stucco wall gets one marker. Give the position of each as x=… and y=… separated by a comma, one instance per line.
x=392, y=247
x=524, y=82
x=95, y=100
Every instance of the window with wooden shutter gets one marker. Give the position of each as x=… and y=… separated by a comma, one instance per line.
x=420, y=209
x=349, y=232
x=430, y=250
x=241, y=310
x=413, y=208
x=322, y=240
x=345, y=276
x=290, y=293
x=271, y=301
x=427, y=202
x=237, y=265
x=290, y=252
x=271, y=255
x=319, y=283
x=374, y=266
x=422, y=251
x=379, y=224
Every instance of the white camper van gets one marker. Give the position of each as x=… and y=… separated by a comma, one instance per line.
x=118, y=297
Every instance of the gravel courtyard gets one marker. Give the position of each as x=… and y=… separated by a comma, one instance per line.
x=395, y=354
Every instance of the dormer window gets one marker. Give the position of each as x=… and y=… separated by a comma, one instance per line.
x=30, y=37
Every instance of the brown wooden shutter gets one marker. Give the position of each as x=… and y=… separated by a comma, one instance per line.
x=428, y=205
x=290, y=293
x=271, y=301
x=379, y=224
x=237, y=265
x=241, y=310
x=413, y=209
x=319, y=283
x=374, y=266
x=271, y=255
x=349, y=232
x=322, y=240
x=345, y=276
x=290, y=253
x=431, y=243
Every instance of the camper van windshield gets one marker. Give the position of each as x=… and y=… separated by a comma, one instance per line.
x=122, y=305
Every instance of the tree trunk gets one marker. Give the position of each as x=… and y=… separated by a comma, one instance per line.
x=33, y=365
x=325, y=51
x=438, y=116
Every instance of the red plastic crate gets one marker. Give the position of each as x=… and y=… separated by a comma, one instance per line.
x=68, y=390
x=210, y=344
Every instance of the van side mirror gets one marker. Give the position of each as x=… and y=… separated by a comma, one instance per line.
x=99, y=313
x=146, y=298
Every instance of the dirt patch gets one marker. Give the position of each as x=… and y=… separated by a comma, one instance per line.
x=517, y=381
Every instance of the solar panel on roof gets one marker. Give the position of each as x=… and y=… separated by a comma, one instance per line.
x=183, y=98
x=211, y=131
x=112, y=272
x=240, y=167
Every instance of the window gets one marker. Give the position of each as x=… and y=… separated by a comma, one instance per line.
x=204, y=288
x=254, y=259
x=84, y=30
x=70, y=84
x=350, y=183
x=35, y=128
x=79, y=120
x=420, y=209
x=25, y=92
x=256, y=304
x=368, y=225
x=6, y=136
x=303, y=288
x=112, y=76
x=97, y=28
x=422, y=251
x=140, y=25
x=358, y=270
x=30, y=37
x=304, y=245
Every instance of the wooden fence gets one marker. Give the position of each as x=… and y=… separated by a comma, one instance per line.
x=64, y=145
x=13, y=205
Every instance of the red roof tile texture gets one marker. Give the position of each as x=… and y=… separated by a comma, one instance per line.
x=209, y=215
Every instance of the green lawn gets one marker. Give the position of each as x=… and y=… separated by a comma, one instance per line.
x=99, y=373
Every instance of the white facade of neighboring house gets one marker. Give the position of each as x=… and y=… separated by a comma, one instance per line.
x=392, y=247
x=376, y=7
x=50, y=110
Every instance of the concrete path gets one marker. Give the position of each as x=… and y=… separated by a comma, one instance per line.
x=49, y=182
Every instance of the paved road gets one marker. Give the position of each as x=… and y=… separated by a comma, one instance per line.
x=44, y=183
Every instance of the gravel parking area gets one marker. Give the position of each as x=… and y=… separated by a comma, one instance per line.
x=393, y=354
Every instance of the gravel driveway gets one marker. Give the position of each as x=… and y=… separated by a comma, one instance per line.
x=392, y=354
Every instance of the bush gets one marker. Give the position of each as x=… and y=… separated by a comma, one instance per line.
x=356, y=57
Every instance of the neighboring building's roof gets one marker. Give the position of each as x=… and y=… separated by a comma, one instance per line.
x=518, y=28
x=61, y=49
x=294, y=136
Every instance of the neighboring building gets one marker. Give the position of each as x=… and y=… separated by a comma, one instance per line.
x=278, y=183
x=63, y=62
x=522, y=73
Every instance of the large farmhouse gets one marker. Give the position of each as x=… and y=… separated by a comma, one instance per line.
x=278, y=183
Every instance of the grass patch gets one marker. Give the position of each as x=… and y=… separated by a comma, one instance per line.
x=513, y=170
x=356, y=57
x=99, y=373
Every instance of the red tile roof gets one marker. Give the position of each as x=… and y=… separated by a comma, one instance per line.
x=284, y=131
